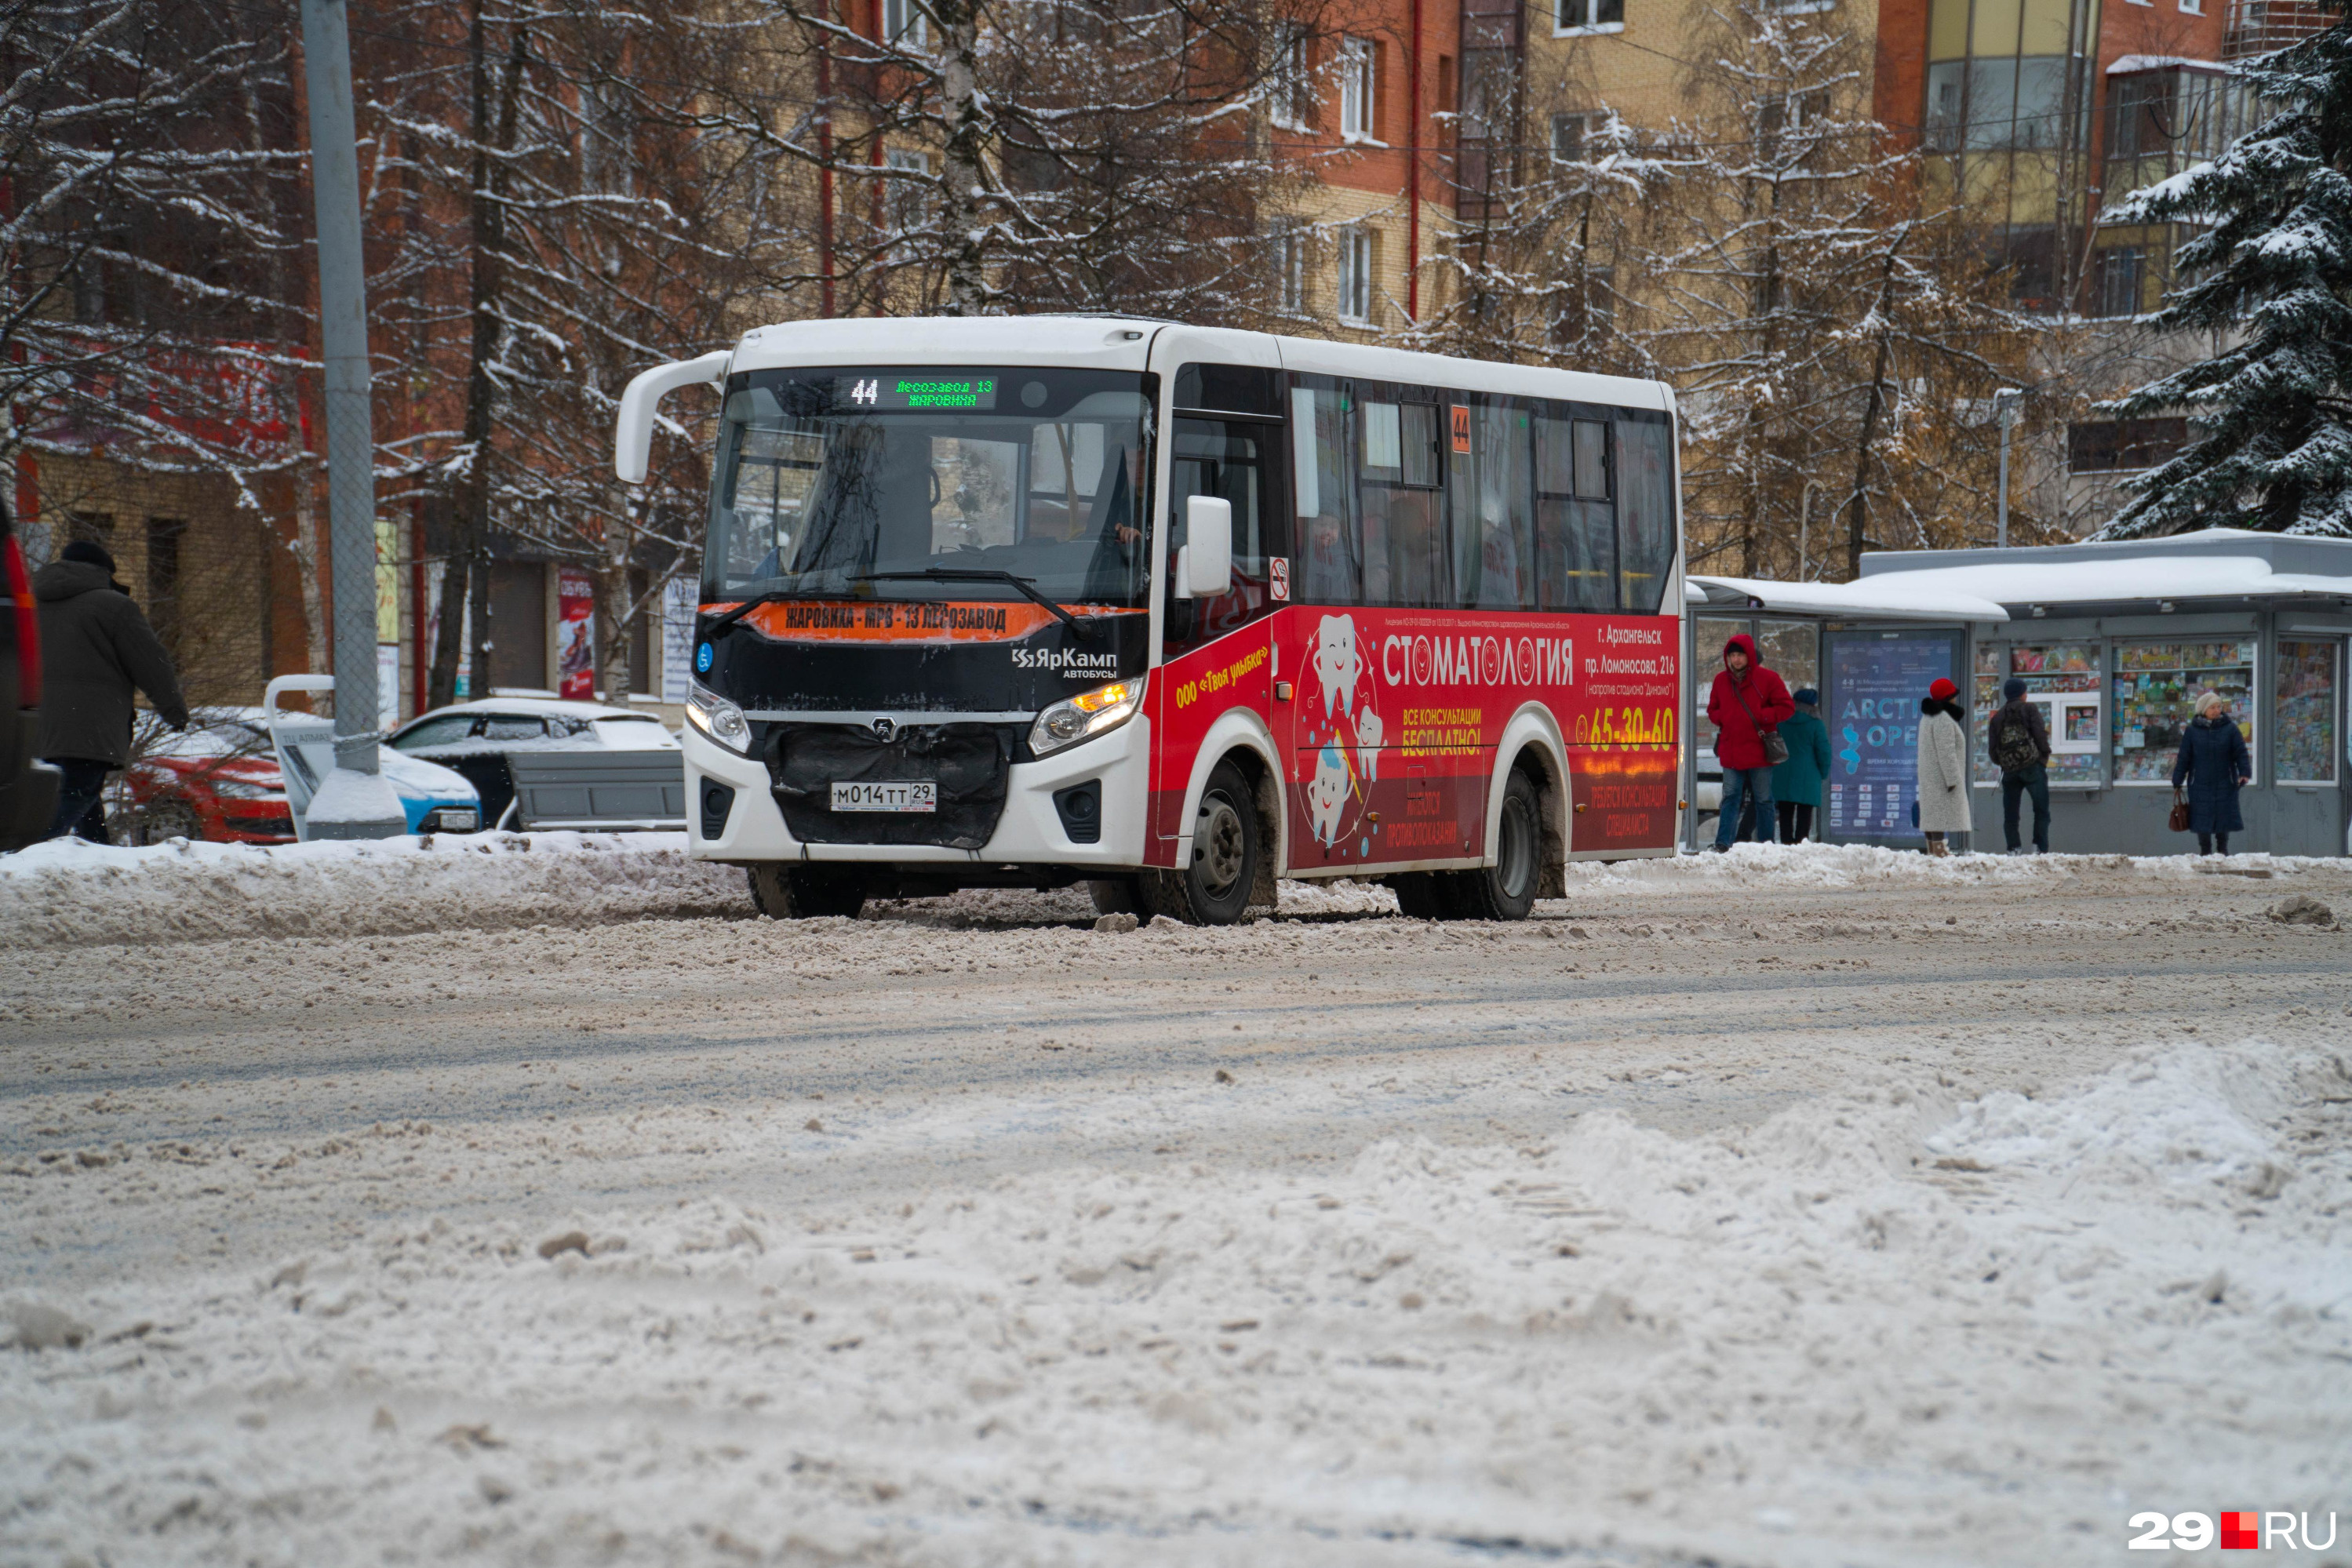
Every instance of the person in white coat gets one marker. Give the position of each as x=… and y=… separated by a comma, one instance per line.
x=1943, y=765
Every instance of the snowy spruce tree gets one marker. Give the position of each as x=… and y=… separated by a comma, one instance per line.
x=2271, y=413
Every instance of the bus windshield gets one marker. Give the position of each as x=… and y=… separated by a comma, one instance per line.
x=829, y=477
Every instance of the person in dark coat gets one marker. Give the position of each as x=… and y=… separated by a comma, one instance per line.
x=2018, y=739
x=1798, y=783
x=1747, y=703
x=96, y=646
x=2215, y=765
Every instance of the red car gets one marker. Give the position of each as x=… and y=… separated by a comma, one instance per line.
x=218, y=782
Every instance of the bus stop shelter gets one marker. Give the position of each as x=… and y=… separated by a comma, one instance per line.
x=2118, y=642
x=2115, y=642
x=1871, y=649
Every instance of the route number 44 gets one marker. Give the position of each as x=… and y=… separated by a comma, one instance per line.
x=866, y=391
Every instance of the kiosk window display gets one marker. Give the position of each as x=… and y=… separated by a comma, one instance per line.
x=2063, y=680
x=2156, y=688
x=2305, y=717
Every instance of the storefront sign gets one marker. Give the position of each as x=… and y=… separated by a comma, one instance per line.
x=575, y=634
x=1877, y=680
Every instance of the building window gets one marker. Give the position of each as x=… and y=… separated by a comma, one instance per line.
x=903, y=22
x=1355, y=275
x=1590, y=16
x=907, y=202
x=1792, y=123
x=2123, y=445
x=1293, y=261
x=2116, y=277
x=164, y=536
x=1287, y=79
x=1572, y=136
x=1357, y=80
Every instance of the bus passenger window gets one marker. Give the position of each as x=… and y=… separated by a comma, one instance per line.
x=1576, y=540
x=1333, y=572
x=1493, y=526
x=1646, y=486
x=1403, y=538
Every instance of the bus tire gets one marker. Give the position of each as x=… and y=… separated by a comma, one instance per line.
x=1505, y=890
x=1215, y=889
x=1422, y=894
x=1116, y=895
x=803, y=892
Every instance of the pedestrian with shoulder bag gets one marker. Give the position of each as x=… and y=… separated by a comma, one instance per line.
x=1748, y=704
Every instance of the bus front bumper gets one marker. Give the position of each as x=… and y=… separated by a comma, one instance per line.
x=1031, y=831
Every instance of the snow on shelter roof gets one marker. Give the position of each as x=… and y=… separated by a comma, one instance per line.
x=2212, y=564
x=1895, y=601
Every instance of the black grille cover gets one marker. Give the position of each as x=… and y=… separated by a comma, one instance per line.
x=970, y=763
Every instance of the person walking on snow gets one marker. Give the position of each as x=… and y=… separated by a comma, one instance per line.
x=97, y=646
x=1943, y=765
x=2215, y=765
x=1746, y=705
x=2019, y=742
x=1796, y=784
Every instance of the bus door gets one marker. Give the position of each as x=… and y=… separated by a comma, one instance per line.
x=1217, y=654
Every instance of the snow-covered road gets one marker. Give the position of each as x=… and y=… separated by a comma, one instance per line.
x=1793, y=1208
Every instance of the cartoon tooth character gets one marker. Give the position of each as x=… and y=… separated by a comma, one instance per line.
x=1327, y=794
x=1367, y=742
x=1337, y=663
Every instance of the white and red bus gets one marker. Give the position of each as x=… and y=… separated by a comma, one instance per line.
x=1175, y=611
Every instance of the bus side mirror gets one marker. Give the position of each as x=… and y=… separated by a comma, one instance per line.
x=1204, y=567
x=632, y=430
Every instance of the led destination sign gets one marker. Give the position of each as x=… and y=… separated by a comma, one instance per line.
x=915, y=391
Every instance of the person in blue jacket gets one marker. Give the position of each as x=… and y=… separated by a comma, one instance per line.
x=1798, y=783
x=2215, y=765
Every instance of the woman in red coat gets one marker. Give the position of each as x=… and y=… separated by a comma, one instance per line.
x=1748, y=703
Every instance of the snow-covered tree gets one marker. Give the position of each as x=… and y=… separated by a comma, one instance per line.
x=987, y=155
x=2270, y=274
x=153, y=309
x=564, y=212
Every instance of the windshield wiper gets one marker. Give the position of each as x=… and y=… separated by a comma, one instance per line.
x=1024, y=586
x=720, y=625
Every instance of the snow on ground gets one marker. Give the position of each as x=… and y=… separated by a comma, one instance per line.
x=68, y=892
x=1782, y=1209
x=1877, y=1328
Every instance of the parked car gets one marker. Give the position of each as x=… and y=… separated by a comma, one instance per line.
x=477, y=738
x=28, y=787
x=221, y=781
x=217, y=780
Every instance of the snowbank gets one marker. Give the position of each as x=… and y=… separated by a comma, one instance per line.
x=69, y=893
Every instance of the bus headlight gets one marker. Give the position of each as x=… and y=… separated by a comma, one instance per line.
x=1086, y=715
x=720, y=719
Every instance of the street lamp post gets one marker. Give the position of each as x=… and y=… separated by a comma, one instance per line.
x=353, y=801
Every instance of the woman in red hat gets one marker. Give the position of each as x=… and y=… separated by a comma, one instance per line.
x=1943, y=765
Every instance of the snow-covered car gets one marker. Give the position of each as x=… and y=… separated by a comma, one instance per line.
x=477, y=738
x=219, y=781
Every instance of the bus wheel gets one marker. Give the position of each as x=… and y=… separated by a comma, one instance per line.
x=800, y=892
x=1505, y=890
x=1214, y=890
x=1422, y=894
x=1116, y=895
